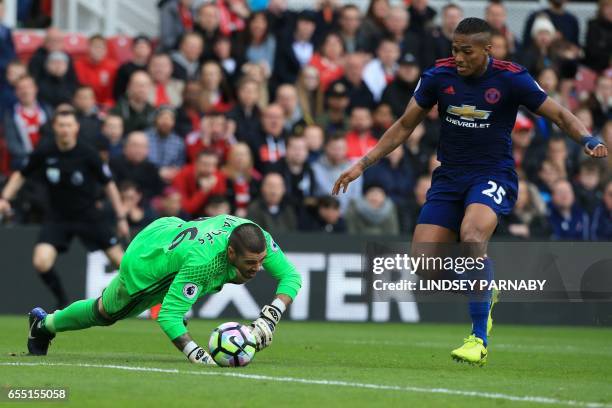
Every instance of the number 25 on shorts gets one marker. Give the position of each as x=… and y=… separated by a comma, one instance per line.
x=496, y=192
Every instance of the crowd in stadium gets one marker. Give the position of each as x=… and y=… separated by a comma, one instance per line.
x=250, y=108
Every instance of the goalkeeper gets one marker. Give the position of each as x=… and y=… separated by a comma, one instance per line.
x=174, y=262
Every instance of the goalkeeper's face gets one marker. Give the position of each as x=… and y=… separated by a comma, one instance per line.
x=247, y=264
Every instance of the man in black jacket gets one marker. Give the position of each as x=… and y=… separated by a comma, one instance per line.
x=54, y=41
x=399, y=91
x=141, y=51
x=134, y=165
x=296, y=49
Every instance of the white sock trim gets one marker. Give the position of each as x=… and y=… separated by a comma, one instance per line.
x=279, y=304
x=190, y=347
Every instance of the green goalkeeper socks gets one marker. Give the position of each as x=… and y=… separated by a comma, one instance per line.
x=79, y=315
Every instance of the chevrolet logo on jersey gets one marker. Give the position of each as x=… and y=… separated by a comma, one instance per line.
x=468, y=112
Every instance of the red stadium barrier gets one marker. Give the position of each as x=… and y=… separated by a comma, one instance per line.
x=26, y=43
x=75, y=44
x=120, y=48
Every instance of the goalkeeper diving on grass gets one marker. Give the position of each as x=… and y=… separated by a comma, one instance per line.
x=175, y=262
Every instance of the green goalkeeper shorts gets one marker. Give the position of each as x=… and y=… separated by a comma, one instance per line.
x=119, y=304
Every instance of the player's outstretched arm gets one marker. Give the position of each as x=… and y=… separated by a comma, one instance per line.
x=570, y=124
x=183, y=292
x=393, y=137
x=289, y=281
x=194, y=353
x=10, y=191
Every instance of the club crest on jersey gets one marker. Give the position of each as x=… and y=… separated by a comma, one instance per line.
x=53, y=174
x=492, y=95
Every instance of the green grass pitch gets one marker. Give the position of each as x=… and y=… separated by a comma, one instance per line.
x=316, y=364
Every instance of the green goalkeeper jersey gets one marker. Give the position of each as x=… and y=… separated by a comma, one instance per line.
x=189, y=258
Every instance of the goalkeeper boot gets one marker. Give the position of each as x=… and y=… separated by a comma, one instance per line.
x=473, y=351
x=494, y=299
x=39, y=338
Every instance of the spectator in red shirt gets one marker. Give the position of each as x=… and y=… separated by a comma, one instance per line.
x=200, y=180
x=359, y=139
x=215, y=134
x=242, y=179
x=232, y=15
x=98, y=71
x=329, y=61
x=23, y=123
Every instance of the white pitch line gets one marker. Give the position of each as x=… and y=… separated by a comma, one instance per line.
x=258, y=377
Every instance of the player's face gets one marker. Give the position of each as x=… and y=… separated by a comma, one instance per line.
x=247, y=264
x=470, y=54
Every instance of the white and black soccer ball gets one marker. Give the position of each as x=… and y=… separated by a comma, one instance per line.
x=232, y=345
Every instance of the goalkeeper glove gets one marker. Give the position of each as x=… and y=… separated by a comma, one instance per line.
x=263, y=327
x=197, y=354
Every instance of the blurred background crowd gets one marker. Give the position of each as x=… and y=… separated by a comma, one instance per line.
x=250, y=108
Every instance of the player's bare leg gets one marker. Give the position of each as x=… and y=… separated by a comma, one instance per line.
x=43, y=260
x=425, y=233
x=424, y=241
x=478, y=225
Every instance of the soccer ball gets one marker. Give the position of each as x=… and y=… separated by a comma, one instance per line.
x=232, y=345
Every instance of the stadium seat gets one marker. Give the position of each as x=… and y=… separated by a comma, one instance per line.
x=120, y=48
x=75, y=44
x=26, y=43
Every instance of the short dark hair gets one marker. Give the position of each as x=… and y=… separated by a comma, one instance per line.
x=294, y=137
x=217, y=199
x=62, y=113
x=349, y=6
x=387, y=39
x=140, y=38
x=473, y=25
x=590, y=165
x=26, y=77
x=247, y=237
x=83, y=88
x=96, y=37
x=207, y=152
x=334, y=137
x=328, y=202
